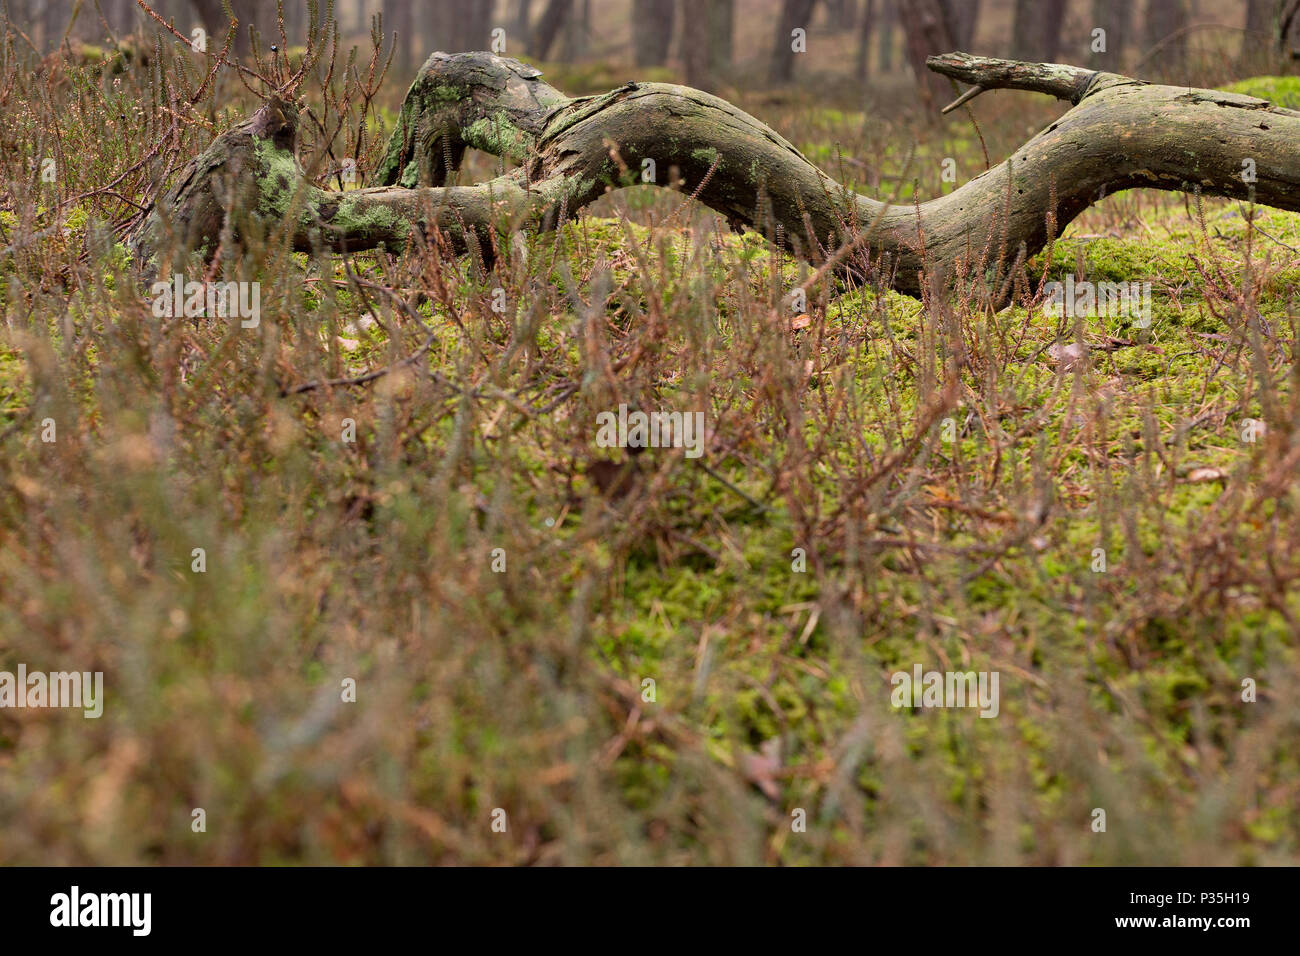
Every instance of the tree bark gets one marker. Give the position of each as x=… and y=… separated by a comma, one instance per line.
x=926, y=31
x=1120, y=134
x=707, y=28
x=842, y=14
x=1166, y=43
x=1287, y=15
x=548, y=28
x=1036, y=34
x=962, y=17
x=795, y=14
x=1256, y=45
x=577, y=33
x=652, y=29
x=397, y=24
x=459, y=26
x=862, y=66
x=520, y=26
x=212, y=17
x=885, y=47
x=1116, y=18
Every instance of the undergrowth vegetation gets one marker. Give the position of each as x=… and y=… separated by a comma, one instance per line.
x=1105, y=515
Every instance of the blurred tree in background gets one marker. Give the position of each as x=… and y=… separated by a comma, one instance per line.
x=728, y=46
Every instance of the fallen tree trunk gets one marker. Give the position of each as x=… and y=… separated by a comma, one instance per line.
x=1120, y=133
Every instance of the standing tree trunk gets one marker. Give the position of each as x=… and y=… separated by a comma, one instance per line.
x=1116, y=18
x=548, y=28
x=1036, y=33
x=722, y=35
x=295, y=23
x=926, y=32
x=397, y=24
x=460, y=26
x=577, y=33
x=1166, y=44
x=519, y=29
x=795, y=14
x=861, y=67
x=885, y=45
x=1287, y=30
x=1256, y=42
x=652, y=31
x=842, y=14
x=121, y=16
x=962, y=15
x=707, y=28
x=212, y=18
x=53, y=19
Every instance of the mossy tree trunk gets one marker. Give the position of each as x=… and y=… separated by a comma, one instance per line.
x=1120, y=133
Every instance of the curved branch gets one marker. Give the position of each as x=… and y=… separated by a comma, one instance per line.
x=1121, y=133
x=1055, y=79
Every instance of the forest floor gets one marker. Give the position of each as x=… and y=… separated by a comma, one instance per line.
x=365, y=623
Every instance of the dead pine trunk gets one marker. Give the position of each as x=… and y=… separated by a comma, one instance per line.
x=1118, y=134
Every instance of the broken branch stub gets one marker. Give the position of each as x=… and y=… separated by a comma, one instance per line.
x=1120, y=134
